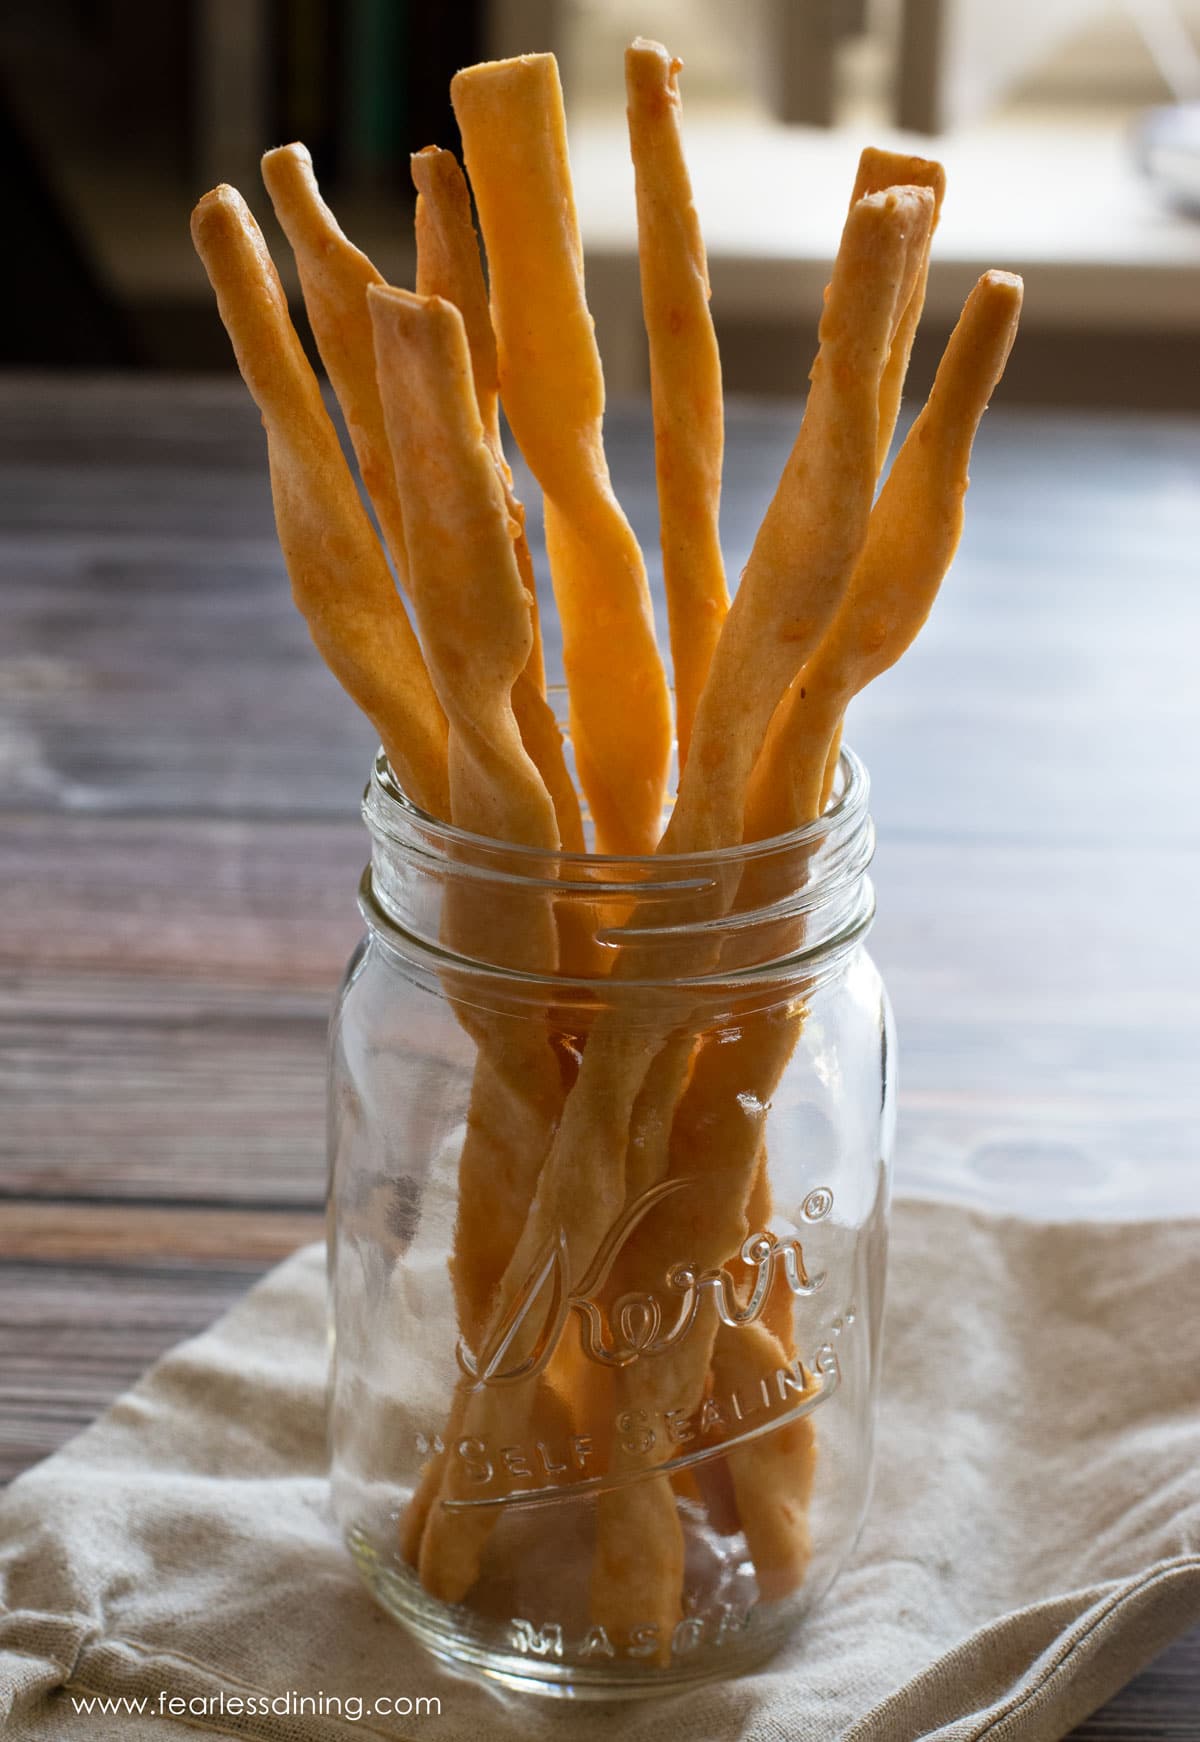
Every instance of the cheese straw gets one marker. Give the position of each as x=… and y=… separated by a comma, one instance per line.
x=814, y=528
x=797, y=560
x=913, y=534
x=685, y=375
x=828, y=483
x=877, y=171
x=339, y=574
x=473, y=611
x=471, y=604
x=514, y=141
x=508, y=1126
x=448, y=265
x=335, y=277
x=910, y=544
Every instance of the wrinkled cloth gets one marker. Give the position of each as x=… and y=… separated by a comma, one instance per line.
x=1034, y=1536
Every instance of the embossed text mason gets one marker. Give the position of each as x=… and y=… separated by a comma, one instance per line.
x=605, y=1365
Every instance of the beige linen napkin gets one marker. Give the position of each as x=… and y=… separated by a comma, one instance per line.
x=1034, y=1536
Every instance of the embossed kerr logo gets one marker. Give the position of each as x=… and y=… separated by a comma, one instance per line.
x=636, y=1325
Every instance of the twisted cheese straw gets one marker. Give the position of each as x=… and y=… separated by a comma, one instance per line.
x=685, y=376
x=509, y=1100
x=448, y=265
x=914, y=530
x=473, y=610
x=514, y=141
x=815, y=526
x=639, y=1536
x=507, y=1130
x=877, y=170
x=335, y=277
x=471, y=604
x=339, y=574
x=826, y=488
x=688, y=411
x=913, y=534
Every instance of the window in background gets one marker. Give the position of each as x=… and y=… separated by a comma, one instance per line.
x=1036, y=105
x=126, y=109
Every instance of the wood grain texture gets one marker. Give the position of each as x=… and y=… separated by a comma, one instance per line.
x=180, y=846
x=70, y=1233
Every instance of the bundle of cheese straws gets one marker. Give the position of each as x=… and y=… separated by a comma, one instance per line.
x=841, y=577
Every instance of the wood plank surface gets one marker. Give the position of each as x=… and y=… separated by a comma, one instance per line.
x=180, y=847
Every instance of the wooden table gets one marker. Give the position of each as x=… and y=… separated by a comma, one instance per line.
x=180, y=844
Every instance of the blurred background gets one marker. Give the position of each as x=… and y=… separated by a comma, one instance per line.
x=179, y=773
x=1068, y=128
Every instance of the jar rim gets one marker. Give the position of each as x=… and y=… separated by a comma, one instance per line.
x=773, y=979
x=390, y=813
x=665, y=912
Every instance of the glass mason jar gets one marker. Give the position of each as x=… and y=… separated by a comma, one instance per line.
x=609, y=1186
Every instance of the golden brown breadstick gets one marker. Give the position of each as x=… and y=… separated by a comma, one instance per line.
x=792, y=586
x=514, y=140
x=814, y=528
x=685, y=375
x=473, y=611
x=790, y=594
x=448, y=265
x=339, y=574
x=543, y=741
x=335, y=276
x=514, y=1097
x=913, y=535
x=878, y=170
x=471, y=605
x=914, y=529
x=714, y=1143
x=474, y=614
x=511, y=1109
